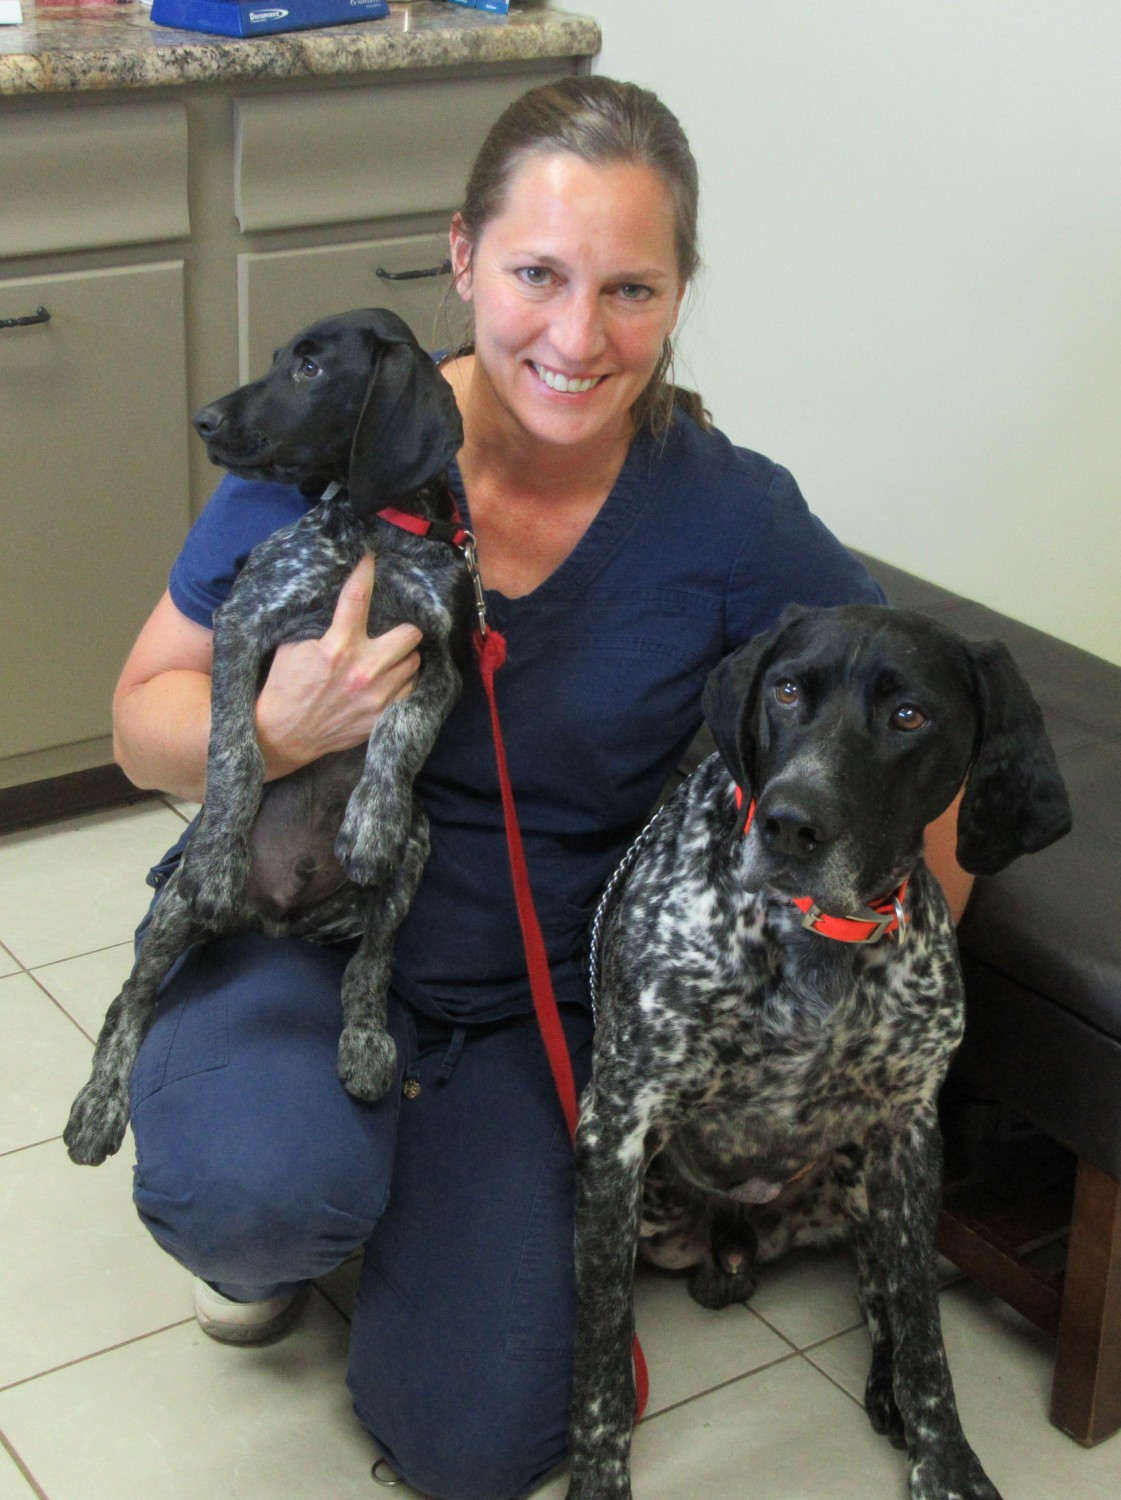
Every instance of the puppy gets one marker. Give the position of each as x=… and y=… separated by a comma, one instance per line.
x=353, y=409
x=781, y=998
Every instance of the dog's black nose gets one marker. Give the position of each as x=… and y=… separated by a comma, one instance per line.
x=208, y=421
x=786, y=828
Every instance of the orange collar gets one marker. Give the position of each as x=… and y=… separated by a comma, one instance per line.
x=869, y=925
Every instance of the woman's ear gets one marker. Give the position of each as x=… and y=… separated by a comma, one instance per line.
x=461, y=248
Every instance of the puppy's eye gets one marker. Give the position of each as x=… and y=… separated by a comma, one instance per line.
x=307, y=369
x=787, y=692
x=908, y=718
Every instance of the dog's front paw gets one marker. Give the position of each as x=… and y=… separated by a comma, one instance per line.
x=880, y=1404
x=371, y=839
x=213, y=877
x=952, y=1473
x=98, y=1118
x=600, y=1485
x=367, y=1062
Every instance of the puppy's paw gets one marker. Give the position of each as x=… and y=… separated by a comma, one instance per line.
x=371, y=840
x=367, y=1062
x=97, y=1123
x=213, y=878
x=950, y=1473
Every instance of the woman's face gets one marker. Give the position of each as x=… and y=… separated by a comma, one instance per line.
x=574, y=286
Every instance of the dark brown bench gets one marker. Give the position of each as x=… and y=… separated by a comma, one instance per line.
x=1041, y=1059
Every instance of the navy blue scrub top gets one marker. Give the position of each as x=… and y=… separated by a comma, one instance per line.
x=699, y=546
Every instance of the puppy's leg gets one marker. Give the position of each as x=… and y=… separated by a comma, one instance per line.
x=215, y=866
x=367, y=1055
x=896, y=1249
x=99, y=1114
x=609, y=1169
x=379, y=814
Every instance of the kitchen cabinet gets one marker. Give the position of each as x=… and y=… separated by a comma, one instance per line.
x=176, y=236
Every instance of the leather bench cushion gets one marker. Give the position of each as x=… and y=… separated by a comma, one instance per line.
x=1057, y=1069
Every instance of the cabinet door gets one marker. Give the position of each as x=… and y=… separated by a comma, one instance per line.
x=280, y=292
x=93, y=470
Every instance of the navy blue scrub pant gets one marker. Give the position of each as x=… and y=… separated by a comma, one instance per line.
x=257, y=1171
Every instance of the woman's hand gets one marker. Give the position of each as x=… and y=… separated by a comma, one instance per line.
x=328, y=694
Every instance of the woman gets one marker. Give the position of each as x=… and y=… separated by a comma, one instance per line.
x=624, y=549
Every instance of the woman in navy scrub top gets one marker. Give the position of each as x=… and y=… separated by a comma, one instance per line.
x=625, y=548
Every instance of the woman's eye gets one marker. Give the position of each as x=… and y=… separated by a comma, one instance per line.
x=787, y=692
x=908, y=718
x=631, y=291
x=534, y=275
x=307, y=369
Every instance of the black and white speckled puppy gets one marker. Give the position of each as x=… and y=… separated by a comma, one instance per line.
x=760, y=1065
x=353, y=409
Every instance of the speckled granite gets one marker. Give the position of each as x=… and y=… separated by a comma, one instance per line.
x=61, y=48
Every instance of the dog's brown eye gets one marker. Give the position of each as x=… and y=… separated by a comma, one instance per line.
x=908, y=717
x=307, y=369
x=787, y=692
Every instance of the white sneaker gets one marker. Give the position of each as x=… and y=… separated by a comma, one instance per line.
x=245, y=1322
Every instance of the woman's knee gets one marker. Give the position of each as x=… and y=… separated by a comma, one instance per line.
x=253, y=1221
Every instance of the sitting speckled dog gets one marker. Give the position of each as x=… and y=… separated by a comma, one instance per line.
x=781, y=998
x=352, y=409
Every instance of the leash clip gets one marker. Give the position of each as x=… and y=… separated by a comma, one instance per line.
x=471, y=558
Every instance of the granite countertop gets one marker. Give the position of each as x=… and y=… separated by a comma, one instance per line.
x=112, y=44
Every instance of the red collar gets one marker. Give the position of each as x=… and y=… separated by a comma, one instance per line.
x=453, y=532
x=868, y=926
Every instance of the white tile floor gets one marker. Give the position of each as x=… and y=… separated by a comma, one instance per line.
x=108, y=1390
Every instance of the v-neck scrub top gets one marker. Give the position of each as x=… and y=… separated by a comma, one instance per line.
x=699, y=546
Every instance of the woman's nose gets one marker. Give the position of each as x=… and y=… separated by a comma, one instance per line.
x=578, y=330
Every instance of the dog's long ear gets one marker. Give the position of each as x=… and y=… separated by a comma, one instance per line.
x=410, y=429
x=1015, y=801
x=730, y=697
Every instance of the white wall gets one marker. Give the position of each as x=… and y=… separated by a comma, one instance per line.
x=912, y=296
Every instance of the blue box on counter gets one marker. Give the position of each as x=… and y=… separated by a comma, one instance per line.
x=499, y=7
x=245, y=18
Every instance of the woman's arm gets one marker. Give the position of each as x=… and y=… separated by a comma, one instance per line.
x=939, y=850
x=319, y=695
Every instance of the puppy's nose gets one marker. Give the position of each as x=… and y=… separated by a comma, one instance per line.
x=786, y=828
x=208, y=421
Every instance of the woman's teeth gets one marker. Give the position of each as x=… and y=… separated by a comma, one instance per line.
x=558, y=382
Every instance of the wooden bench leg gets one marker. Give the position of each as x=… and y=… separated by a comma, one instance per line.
x=1086, y=1393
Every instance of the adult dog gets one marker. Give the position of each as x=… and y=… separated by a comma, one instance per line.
x=765, y=1053
x=352, y=408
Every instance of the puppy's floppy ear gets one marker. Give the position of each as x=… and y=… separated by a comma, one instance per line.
x=730, y=697
x=1015, y=801
x=409, y=429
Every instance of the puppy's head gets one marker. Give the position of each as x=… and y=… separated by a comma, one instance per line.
x=854, y=728
x=352, y=398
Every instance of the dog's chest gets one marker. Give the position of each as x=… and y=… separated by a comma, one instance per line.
x=761, y=1045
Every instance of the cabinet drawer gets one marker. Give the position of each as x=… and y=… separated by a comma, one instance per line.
x=77, y=179
x=93, y=433
x=363, y=153
x=280, y=292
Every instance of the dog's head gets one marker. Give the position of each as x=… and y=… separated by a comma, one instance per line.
x=352, y=398
x=854, y=728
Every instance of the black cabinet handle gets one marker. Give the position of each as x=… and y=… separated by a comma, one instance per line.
x=40, y=315
x=443, y=269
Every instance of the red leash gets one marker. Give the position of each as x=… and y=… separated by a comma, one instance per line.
x=490, y=648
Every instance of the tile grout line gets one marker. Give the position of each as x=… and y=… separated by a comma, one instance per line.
x=720, y=1385
x=84, y=1359
x=22, y=1467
